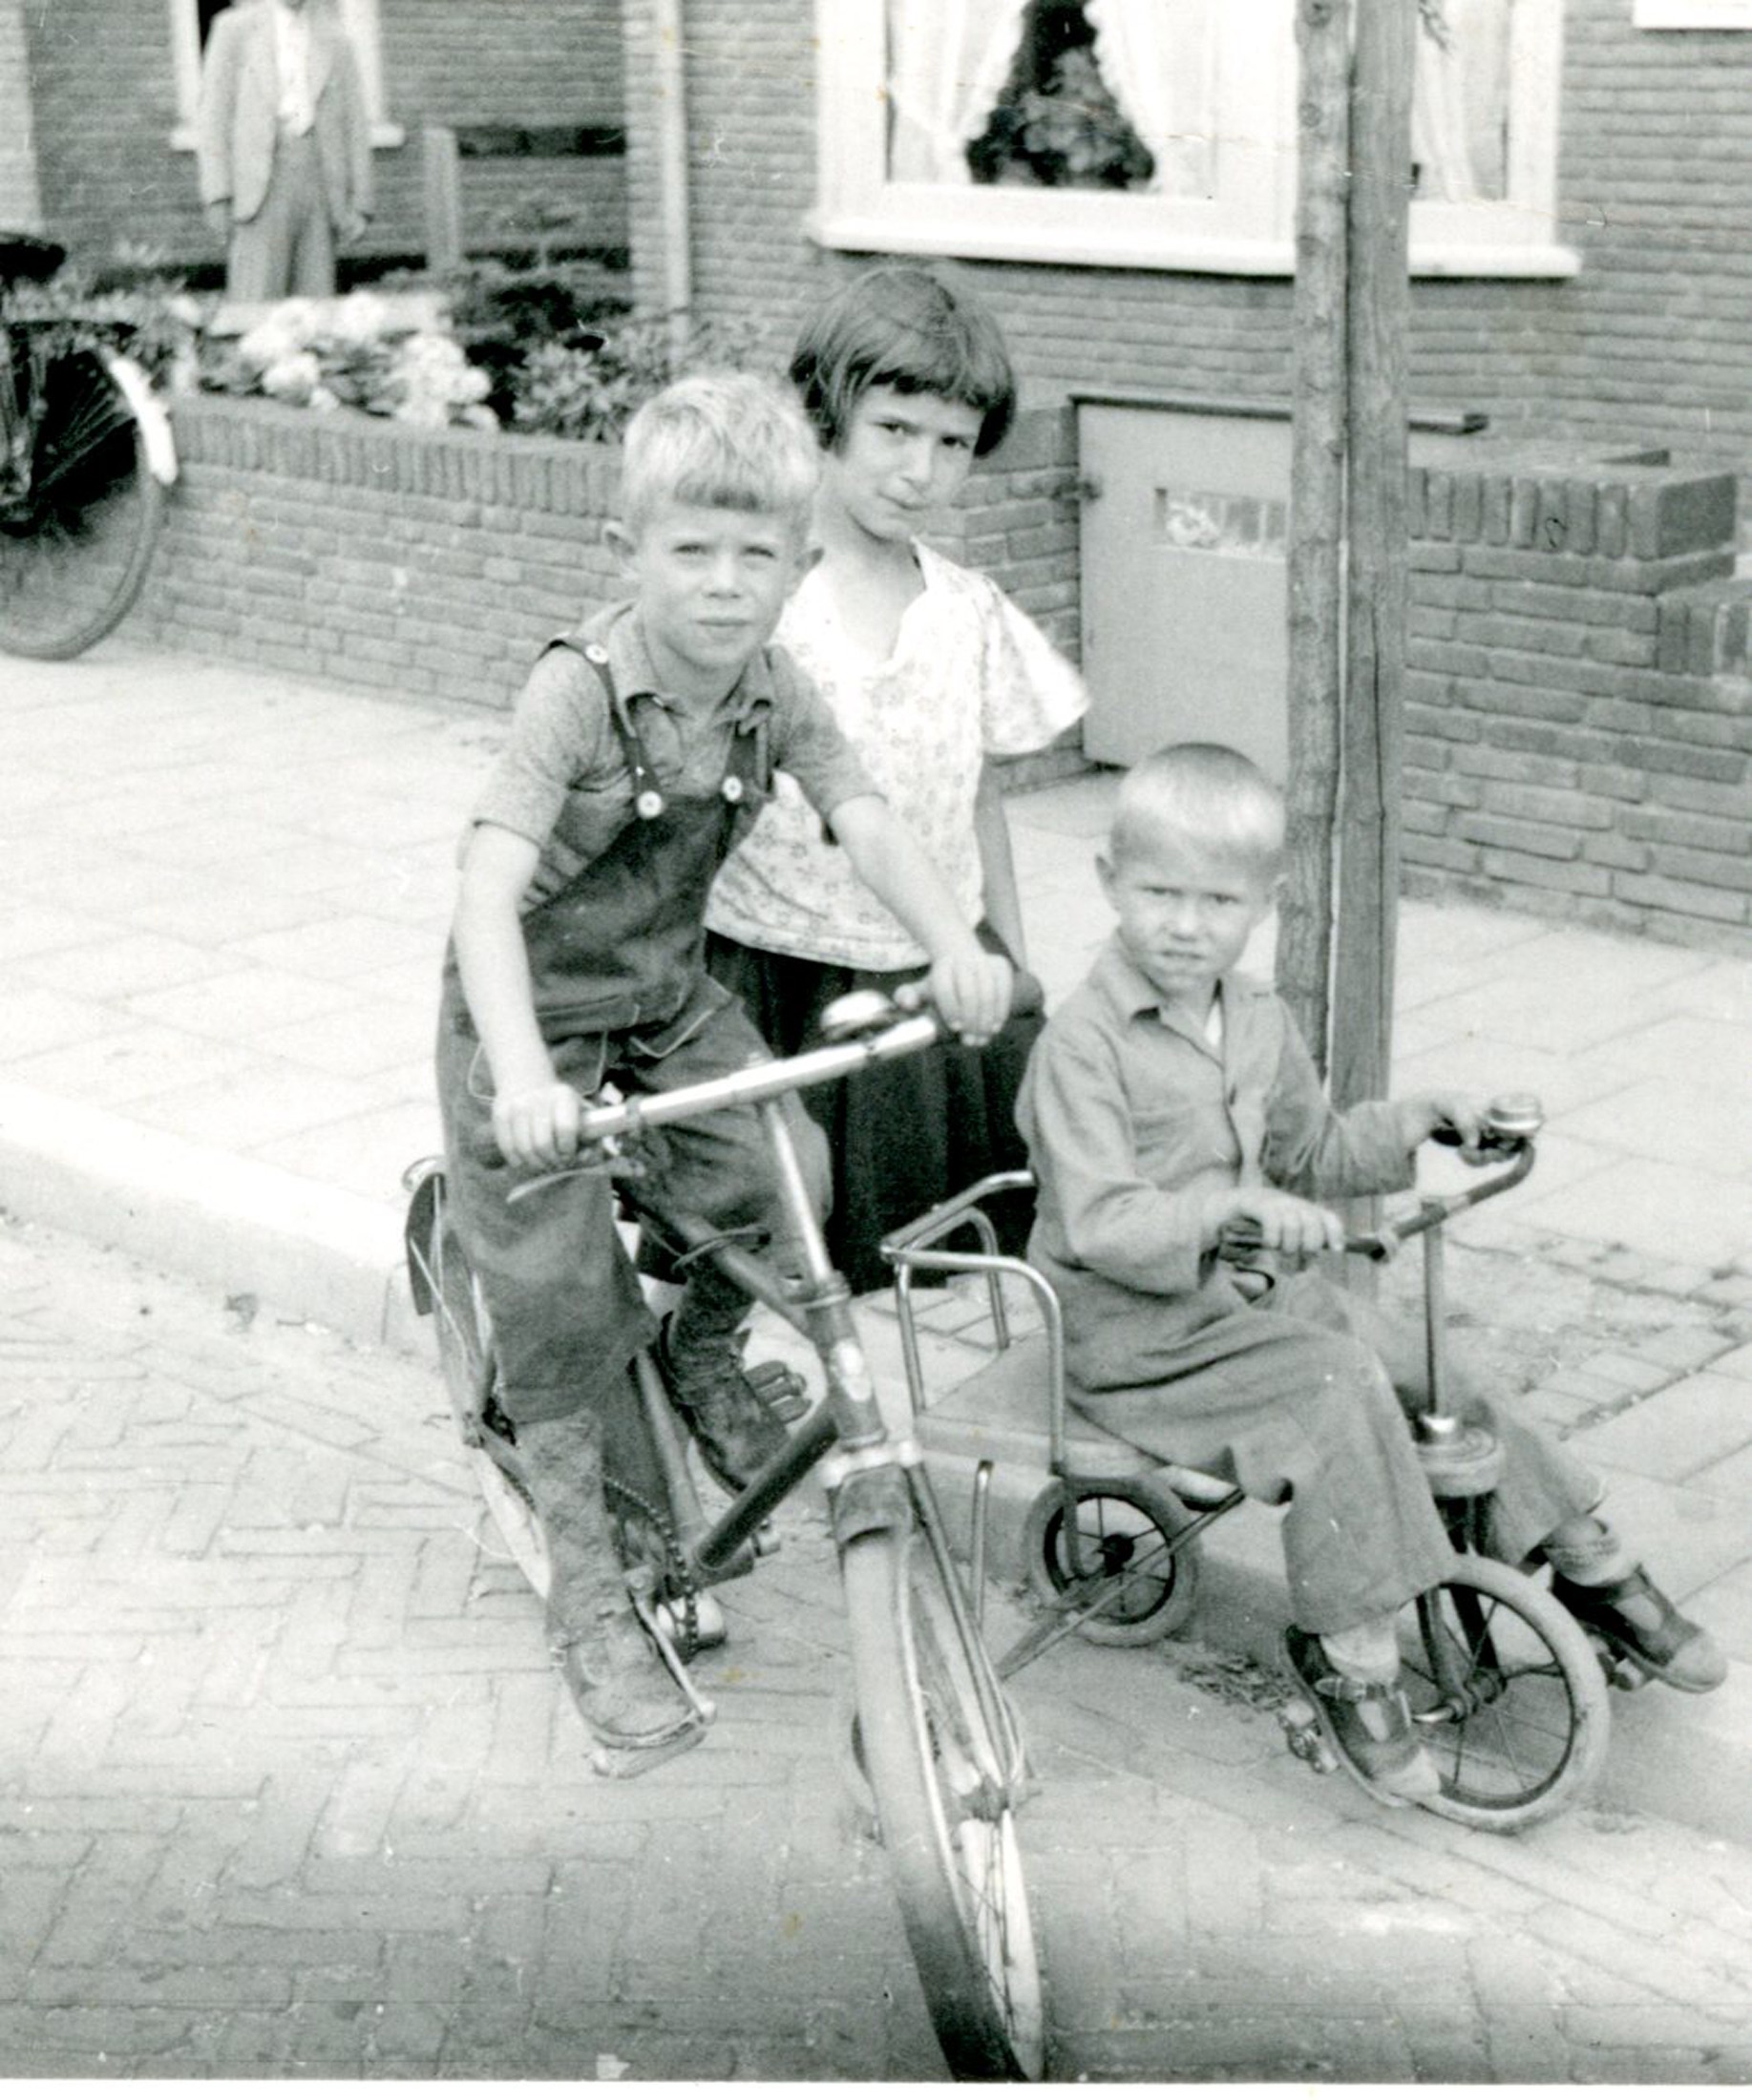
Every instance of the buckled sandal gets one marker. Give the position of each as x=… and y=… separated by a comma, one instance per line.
x=1368, y=1727
x=1638, y=1623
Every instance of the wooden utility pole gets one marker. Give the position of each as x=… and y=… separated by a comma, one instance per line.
x=1377, y=306
x=1317, y=513
x=1347, y=555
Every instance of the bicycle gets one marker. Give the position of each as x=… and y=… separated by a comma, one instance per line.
x=1506, y=1687
x=935, y=1739
x=86, y=456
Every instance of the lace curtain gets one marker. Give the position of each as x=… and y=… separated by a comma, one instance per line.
x=1155, y=56
x=947, y=63
x=1460, y=104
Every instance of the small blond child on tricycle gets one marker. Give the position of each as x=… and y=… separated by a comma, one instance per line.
x=1171, y=1099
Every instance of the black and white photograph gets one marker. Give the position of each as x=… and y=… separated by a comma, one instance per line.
x=772, y=770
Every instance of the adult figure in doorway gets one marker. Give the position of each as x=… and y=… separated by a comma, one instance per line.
x=284, y=146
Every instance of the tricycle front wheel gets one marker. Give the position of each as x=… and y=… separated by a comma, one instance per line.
x=1507, y=1696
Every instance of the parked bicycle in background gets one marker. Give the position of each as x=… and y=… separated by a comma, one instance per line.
x=86, y=455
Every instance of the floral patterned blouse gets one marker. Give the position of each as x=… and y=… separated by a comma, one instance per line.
x=971, y=676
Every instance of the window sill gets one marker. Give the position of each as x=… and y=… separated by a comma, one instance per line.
x=882, y=233
x=879, y=232
x=383, y=134
x=1494, y=259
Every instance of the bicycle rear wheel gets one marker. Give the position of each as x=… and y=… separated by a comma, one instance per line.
x=944, y=1763
x=1506, y=1693
x=75, y=542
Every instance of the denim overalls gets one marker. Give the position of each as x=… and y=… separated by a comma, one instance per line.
x=620, y=993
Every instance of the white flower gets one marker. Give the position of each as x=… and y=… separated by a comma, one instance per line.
x=361, y=317
x=282, y=334
x=293, y=378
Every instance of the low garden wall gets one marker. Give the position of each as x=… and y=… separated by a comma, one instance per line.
x=1579, y=708
x=433, y=564
x=1578, y=705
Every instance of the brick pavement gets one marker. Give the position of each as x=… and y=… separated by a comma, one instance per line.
x=288, y=1789
x=287, y=1740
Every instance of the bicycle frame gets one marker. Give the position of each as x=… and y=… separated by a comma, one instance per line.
x=874, y=1480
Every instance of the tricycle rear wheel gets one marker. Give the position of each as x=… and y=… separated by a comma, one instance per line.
x=1081, y=1537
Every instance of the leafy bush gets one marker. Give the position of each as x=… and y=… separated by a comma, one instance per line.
x=502, y=315
x=589, y=388
x=151, y=316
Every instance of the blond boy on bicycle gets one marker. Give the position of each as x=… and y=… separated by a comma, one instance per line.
x=1170, y=1098
x=642, y=748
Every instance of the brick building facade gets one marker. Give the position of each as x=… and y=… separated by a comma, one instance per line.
x=110, y=87
x=1646, y=341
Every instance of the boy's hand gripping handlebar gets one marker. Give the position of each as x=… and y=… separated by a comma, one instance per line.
x=860, y=1029
x=1510, y=1124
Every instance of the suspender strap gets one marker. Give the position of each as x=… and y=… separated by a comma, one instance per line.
x=747, y=763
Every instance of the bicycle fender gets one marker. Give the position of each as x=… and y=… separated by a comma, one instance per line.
x=419, y=1236
x=874, y=1501
x=147, y=413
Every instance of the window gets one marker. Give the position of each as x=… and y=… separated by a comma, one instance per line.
x=1692, y=14
x=1161, y=133
x=190, y=21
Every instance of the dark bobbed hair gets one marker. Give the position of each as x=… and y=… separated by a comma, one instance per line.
x=902, y=326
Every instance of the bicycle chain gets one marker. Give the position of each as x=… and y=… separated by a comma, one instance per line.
x=678, y=1582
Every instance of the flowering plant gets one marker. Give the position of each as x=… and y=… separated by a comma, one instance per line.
x=363, y=351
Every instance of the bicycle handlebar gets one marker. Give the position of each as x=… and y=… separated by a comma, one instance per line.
x=1517, y=1148
x=861, y=1029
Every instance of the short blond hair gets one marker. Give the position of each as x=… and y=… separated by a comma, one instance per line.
x=725, y=441
x=1205, y=792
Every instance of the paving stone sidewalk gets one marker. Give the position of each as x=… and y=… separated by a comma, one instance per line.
x=219, y=926
x=288, y=1789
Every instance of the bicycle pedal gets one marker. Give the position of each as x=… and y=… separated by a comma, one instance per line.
x=652, y=1618
x=781, y=1389
x=617, y=1763
x=766, y=1539
x=1305, y=1738
x=1623, y=1671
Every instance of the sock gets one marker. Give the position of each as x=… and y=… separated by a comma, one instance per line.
x=1369, y=1653
x=1588, y=1551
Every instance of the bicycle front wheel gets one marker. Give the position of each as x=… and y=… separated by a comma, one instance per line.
x=76, y=534
x=944, y=1764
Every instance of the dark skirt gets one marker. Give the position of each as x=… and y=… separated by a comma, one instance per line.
x=900, y=1136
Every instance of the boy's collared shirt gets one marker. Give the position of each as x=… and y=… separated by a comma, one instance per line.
x=1133, y=1115
x=562, y=780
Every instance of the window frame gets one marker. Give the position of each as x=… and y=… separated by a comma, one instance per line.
x=358, y=17
x=1691, y=14
x=1247, y=230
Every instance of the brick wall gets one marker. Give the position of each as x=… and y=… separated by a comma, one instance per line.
x=1650, y=341
x=435, y=565
x=20, y=201
x=1578, y=710
x=103, y=92
x=339, y=547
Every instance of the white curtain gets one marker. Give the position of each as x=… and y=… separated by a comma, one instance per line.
x=1155, y=56
x=947, y=62
x=1460, y=104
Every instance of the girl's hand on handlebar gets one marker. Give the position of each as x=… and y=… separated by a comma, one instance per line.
x=538, y=1126
x=971, y=990
x=1272, y=1218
